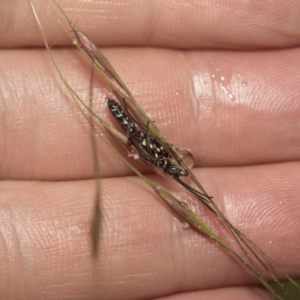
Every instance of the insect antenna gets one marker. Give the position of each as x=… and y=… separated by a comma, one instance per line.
x=203, y=196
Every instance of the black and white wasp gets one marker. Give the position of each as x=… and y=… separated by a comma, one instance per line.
x=150, y=150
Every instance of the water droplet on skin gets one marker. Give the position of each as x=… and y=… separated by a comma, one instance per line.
x=187, y=156
x=228, y=93
x=231, y=96
x=244, y=83
x=223, y=81
x=184, y=205
x=134, y=154
x=185, y=225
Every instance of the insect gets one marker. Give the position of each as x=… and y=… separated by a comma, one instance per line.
x=150, y=150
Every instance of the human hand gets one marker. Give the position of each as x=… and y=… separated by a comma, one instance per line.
x=237, y=110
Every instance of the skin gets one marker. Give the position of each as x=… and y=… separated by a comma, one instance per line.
x=219, y=79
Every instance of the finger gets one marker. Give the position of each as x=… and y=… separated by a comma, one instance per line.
x=222, y=294
x=144, y=251
x=228, y=108
x=183, y=24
